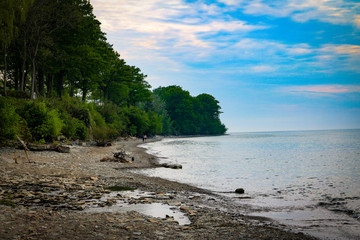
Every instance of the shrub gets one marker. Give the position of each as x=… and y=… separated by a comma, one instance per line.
x=9, y=120
x=75, y=108
x=24, y=131
x=74, y=128
x=44, y=124
x=138, y=121
x=54, y=124
x=104, y=135
x=81, y=131
x=96, y=119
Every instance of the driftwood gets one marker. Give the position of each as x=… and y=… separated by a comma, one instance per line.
x=25, y=149
x=118, y=157
x=49, y=147
x=15, y=158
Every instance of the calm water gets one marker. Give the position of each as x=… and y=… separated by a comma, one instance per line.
x=306, y=179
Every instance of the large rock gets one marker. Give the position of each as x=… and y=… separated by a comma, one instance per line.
x=173, y=166
x=63, y=149
x=240, y=191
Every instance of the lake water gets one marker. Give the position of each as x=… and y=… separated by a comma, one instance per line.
x=309, y=180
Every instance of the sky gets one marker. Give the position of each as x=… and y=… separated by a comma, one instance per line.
x=273, y=65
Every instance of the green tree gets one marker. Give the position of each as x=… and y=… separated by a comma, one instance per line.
x=191, y=115
x=208, y=111
x=12, y=14
x=180, y=106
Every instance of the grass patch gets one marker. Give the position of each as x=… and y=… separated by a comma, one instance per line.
x=7, y=202
x=119, y=188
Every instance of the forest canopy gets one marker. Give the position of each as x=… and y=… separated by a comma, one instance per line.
x=60, y=77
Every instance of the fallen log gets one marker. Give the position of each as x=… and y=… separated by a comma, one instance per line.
x=49, y=147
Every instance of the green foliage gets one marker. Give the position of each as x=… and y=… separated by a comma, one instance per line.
x=8, y=121
x=75, y=129
x=102, y=135
x=43, y=123
x=114, y=117
x=190, y=115
x=155, y=123
x=138, y=123
x=24, y=131
x=96, y=119
x=54, y=124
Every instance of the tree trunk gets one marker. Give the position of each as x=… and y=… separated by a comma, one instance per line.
x=41, y=81
x=71, y=88
x=23, y=75
x=60, y=82
x=5, y=72
x=26, y=72
x=33, y=75
x=17, y=77
x=106, y=93
x=84, y=93
x=33, y=95
x=49, y=84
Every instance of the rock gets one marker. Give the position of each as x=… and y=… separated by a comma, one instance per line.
x=61, y=138
x=63, y=149
x=240, y=191
x=184, y=208
x=173, y=166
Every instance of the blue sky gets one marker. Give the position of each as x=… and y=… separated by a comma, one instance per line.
x=273, y=65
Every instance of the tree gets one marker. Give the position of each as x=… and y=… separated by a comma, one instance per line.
x=12, y=14
x=208, y=111
x=191, y=115
x=179, y=105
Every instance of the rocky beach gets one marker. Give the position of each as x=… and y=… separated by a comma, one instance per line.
x=77, y=196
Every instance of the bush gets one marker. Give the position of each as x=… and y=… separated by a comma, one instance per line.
x=81, y=131
x=75, y=108
x=9, y=121
x=44, y=124
x=74, y=128
x=54, y=124
x=96, y=119
x=138, y=121
x=104, y=135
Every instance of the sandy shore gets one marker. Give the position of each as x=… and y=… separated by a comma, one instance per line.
x=66, y=196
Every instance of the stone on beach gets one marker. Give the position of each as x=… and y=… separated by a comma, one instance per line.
x=240, y=191
x=173, y=166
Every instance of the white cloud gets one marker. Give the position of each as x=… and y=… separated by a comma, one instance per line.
x=269, y=47
x=179, y=35
x=325, y=90
x=183, y=23
x=336, y=11
x=357, y=20
x=263, y=68
x=231, y=2
x=340, y=57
